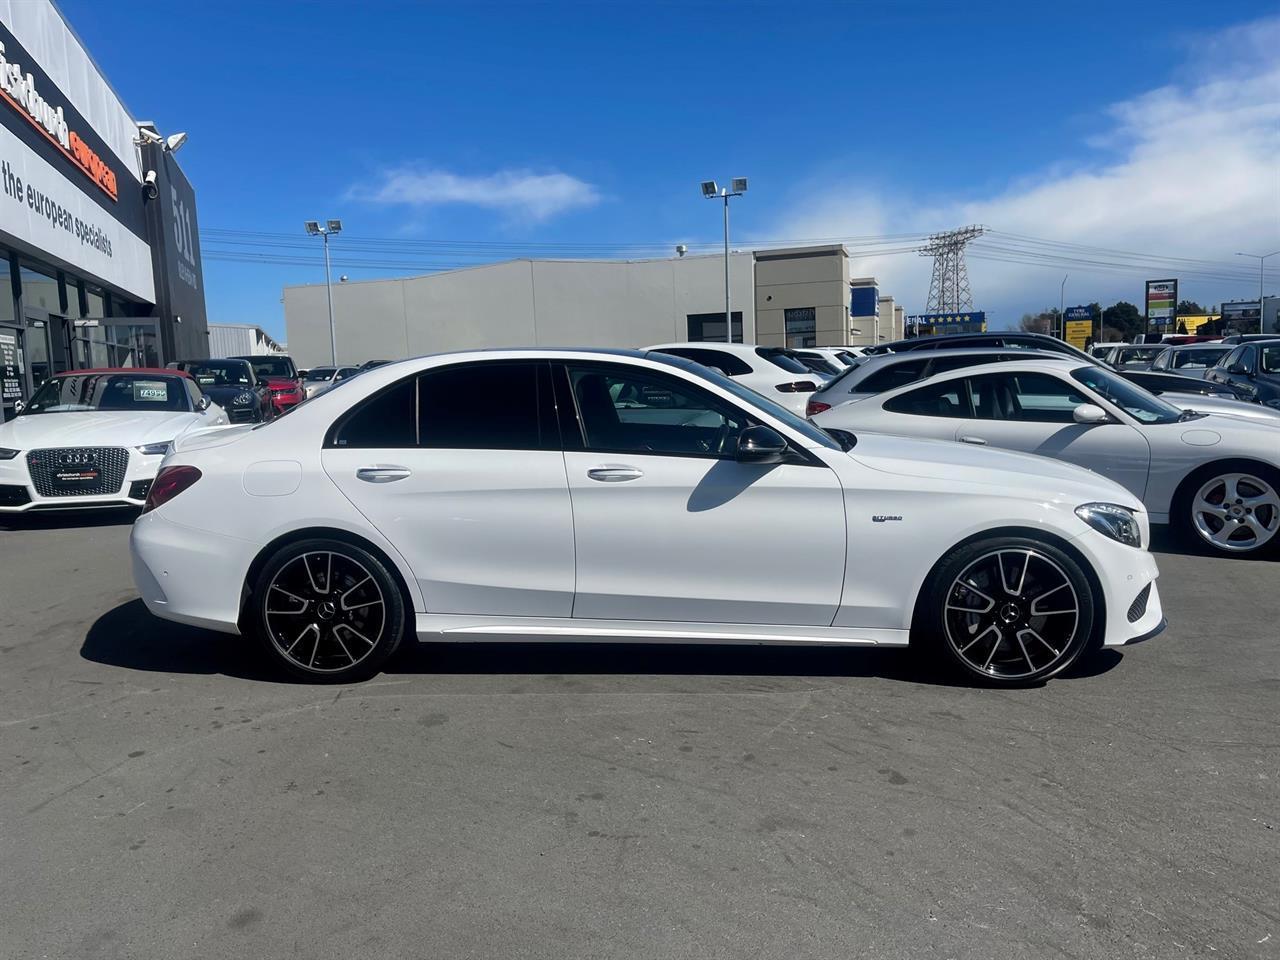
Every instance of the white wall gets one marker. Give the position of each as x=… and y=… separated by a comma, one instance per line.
x=603, y=303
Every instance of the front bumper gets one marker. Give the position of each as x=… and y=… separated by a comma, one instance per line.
x=18, y=493
x=1129, y=589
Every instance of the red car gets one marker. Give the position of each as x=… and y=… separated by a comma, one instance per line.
x=281, y=377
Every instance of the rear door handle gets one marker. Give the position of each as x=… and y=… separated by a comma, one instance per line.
x=976, y=441
x=383, y=473
x=614, y=473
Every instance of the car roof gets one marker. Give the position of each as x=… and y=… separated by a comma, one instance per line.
x=1058, y=364
x=1201, y=346
x=147, y=371
x=740, y=349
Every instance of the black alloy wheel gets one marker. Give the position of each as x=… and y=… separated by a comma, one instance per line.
x=1009, y=611
x=328, y=611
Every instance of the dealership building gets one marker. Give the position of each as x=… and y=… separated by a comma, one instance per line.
x=99, y=245
x=799, y=296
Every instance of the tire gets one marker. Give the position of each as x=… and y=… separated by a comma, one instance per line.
x=1232, y=508
x=327, y=611
x=1007, y=611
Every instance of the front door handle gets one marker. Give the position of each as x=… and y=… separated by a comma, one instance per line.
x=614, y=473
x=382, y=473
x=976, y=441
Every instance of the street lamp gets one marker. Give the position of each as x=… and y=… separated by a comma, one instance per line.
x=712, y=191
x=314, y=229
x=1062, y=307
x=1262, y=259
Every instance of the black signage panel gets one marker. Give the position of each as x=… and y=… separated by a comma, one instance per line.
x=175, y=256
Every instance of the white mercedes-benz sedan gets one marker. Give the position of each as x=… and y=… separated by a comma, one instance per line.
x=600, y=495
x=95, y=438
x=1212, y=476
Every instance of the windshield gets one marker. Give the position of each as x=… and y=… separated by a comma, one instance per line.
x=319, y=373
x=1137, y=354
x=110, y=391
x=219, y=373
x=272, y=366
x=1143, y=406
x=780, y=358
x=746, y=394
x=1197, y=359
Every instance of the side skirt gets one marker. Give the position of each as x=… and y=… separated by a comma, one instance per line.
x=471, y=628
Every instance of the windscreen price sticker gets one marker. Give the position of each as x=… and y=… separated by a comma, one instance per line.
x=150, y=391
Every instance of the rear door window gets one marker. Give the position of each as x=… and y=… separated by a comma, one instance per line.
x=947, y=399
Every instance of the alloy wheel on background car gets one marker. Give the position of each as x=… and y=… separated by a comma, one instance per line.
x=1236, y=512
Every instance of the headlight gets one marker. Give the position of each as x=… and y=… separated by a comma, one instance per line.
x=1113, y=521
x=155, y=449
x=7, y=454
x=243, y=398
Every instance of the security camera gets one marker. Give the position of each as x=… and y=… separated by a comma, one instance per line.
x=147, y=133
x=149, y=186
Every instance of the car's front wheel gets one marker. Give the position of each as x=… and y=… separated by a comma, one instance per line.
x=1007, y=611
x=328, y=611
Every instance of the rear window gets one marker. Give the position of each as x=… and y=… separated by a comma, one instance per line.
x=780, y=358
x=893, y=376
x=722, y=360
x=272, y=366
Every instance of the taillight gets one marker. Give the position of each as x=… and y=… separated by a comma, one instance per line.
x=797, y=386
x=169, y=482
x=814, y=407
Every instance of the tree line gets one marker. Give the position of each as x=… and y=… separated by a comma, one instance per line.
x=1122, y=321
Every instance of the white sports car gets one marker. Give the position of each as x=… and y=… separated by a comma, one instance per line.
x=95, y=438
x=618, y=495
x=1208, y=474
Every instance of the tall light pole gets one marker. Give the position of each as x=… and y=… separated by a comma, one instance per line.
x=314, y=229
x=712, y=191
x=1262, y=259
x=1062, y=307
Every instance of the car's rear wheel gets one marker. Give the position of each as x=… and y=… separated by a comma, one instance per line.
x=328, y=611
x=1234, y=509
x=1007, y=611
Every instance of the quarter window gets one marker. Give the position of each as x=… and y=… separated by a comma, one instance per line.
x=946, y=399
x=628, y=410
x=385, y=420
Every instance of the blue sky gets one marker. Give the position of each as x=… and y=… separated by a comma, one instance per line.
x=591, y=124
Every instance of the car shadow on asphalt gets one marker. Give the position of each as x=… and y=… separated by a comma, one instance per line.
x=130, y=637
x=1167, y=540
x=68, y=519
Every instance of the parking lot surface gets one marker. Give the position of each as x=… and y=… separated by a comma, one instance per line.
x=162, y=796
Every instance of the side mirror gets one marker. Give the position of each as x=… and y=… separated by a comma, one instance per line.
x=1089, y=414
x=19, y=406
x=760, y=444
x=202, y=404
x=1239, y=368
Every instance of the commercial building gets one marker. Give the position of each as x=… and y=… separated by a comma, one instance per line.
x=240, y=339
x=802, y=296
x=99, y=248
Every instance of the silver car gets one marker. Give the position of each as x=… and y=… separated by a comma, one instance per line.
x=1191, y=359
x=1214, y=477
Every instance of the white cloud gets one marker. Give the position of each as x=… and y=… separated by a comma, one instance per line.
x=1187, y=170
x=519, y=194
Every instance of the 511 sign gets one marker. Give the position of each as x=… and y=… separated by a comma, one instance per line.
x=184, y=237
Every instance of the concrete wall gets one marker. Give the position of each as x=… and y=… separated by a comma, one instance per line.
x=603, y=303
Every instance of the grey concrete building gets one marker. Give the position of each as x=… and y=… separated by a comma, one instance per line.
x=795, y=297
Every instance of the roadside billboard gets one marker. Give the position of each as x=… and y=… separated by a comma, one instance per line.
x=1162, y=302
x=1077, y=326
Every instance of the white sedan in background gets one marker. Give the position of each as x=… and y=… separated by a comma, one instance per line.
x=618, y=495
x=769, y=371
x=95, y=438
x=1212, y=475
x=319, y=379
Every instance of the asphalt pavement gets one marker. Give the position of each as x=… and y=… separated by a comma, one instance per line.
x=162, y=796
